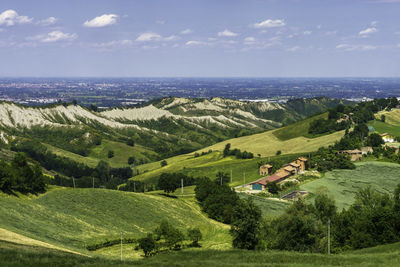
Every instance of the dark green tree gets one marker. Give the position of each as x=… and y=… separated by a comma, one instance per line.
x=147, y=244
x=110, y=154
x=195, y=236
x=163, y=163
x=245, y=225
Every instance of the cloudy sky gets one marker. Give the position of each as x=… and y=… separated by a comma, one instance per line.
x=200, y=38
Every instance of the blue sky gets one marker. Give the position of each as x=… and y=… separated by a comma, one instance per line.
x=200, y=38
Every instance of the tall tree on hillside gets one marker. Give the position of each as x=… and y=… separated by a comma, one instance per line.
x=245, y=225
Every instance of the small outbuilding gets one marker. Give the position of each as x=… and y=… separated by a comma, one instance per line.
x=265, y=169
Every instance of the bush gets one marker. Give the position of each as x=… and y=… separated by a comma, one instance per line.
x=110, y=154
x=195, y=236
x=147, y=244
x=163, y=163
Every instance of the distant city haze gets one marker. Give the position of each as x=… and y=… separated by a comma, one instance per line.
x=200, y=38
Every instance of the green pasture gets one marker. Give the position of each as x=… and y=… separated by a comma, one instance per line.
x=20, y=255
x=343, y=184
x=74, y=218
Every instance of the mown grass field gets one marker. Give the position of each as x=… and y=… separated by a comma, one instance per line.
x=392, y=117
x=382, y=127
x=297, y=129
x=121, y=154
x=267, y=144
x=20, y=255
x=74, y=218
x=343, y=184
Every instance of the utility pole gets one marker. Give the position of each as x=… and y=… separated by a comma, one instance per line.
x=121, y=245
x=134, y=186
x=329, y=236
x=93, y=181
x=73, y=180
x=231, y=174
x=181, y=186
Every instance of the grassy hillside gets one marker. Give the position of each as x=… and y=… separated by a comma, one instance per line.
x=297, y=129
x=19, y=255
x=75, y=218
x=267, y=144
x=342, y=184
x=243, y=170
x=383, y=127
x=392, y=117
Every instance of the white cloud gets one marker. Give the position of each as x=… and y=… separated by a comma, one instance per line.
x=269, y=23
x=293, y=49
x=171, y=38
x=195, y=43
x=112, y=44
x=249, y=40
x=102, y=21
x=227, y=33
x=351, y=47
x=368, y=31
x=330, y=33
x=374, y=23
x=10, y=17
x=307, y=32
x=186, y=31
x=47, y=22
x=161, y=22
x=54, y=36
x=148, y=36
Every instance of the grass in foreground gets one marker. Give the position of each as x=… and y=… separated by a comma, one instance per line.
x=18, y=255
x=74, y=218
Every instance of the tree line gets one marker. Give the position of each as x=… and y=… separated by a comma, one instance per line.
x=20, y=176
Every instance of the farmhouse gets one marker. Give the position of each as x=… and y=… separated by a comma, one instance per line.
x=367, y=149
x=280, y=175
x=388, y=138
x=265, y=169
x=355, y=155
x=261, y=184
x=393, y=146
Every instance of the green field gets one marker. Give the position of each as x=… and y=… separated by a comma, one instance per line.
x=20, y=255
x=392, y=117
x=74, y=218
x=267, y=144
x=342, y=184
x=382, y=127
x=121, y=154
x=298, y=129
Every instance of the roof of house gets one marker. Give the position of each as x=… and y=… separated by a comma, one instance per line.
x=302, y=159
x=354, y=151
x=294, y=164
x=266, y=166
x=274, y=178
x=366, y=149
x=262, y=181
x=385, y=134
x=289, y=168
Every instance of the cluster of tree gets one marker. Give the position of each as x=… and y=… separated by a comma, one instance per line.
x=202, y=153
x=237, y=153
x=21, y=177
x=321, y=126
x=136, y=186
x=72, y=139
x=103, y=173
x=167, y=237
x=372, y=220
x=169, y=182
x=327, y=159
x=215, y=199
x=360, y=113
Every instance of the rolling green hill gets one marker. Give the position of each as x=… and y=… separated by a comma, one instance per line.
x=74, y=218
